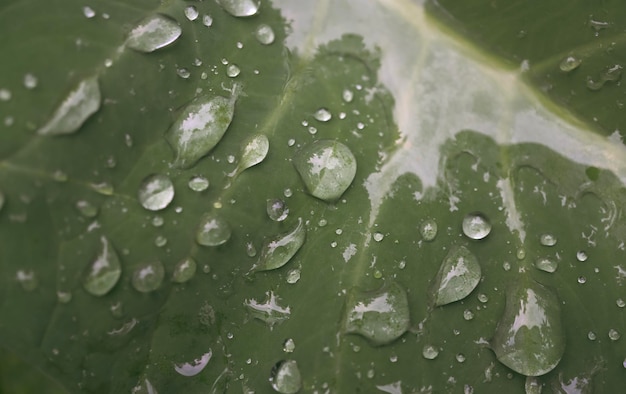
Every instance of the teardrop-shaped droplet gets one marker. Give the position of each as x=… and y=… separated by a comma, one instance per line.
x=281, y=249
x=200, y=127
x=270, y=312
x=194, y=367
x=570, y=63
x=323, y=115
x=529, y=337
x=148, y=276
x=191, y=12
x=381, y=316
x=265, y=34
x=86, y=208
x=184, y=270
x=253, y=151
x=458, y=276
x=285, y=377
x=104, y=271
x=327, y=168
x=198, y=183
x=289, y=345
x=154, y=32
x=240, y=8
x=156, y=192
x=277, y=209
x=82, y=102
x=546, y=264
x=428, y=229
x=476, y=225
x=213, y=230
x=547, y=240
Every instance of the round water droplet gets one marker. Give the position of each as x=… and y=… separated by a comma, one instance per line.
x=570, y=63
x=483, y=298
x=581, y=255
x=30, y=81
x=270, y=312
x=27, y=279
x=194, y=367
x=277, y=210
x=148, y=276
x=183, y=72
x=157, y=221
x=104, y=271
x=457, y=277
x=88, y=12
x=2, y=200
x=293, y=276
x=213, y=230
x=620, y=303
x=591, y=335
x=198, y=183
x=428, y=229
x=468, y=315
x=327, y=168
x=160, y=241
x=430, y=352
x=85, y=208
x=521, y=254
x=460, y=357
x=378, y=236
x=250, y=249
x=278, y=251
x=184, y=270
x=476, y=226
x=156, y=192
x=323, y=115
x=289, y=345
x=547, y=240
x=546, y=264
x=154, y=32
x=614, y=335
x=191, y=12
x=347, y=95
x=265, y=34
x=285, y=376
x=207, y=20
x=582, y=280
x=5, y=94
x=232, y=70
x=240, y=8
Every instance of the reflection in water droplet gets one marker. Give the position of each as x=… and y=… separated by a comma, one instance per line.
x=148, y=276
x=546, y=264
x=327, y=168
x=468, y=315
x=476, y=225
x=207, y=20
x=430, y=352
x=458, y=276
x=614, y=335
x=156, y=192
x=27, y=279
x=378, y=237
x=198, y=183
x=253, y=152
x=265, y=34
x=104, y=271
x=381, y=316
x=75, y=109
x=620, y=303
x=240, y=8
x=282, y=248
x=529, y=337
x=184, y=270
x=547, y=240
x=428, y=229
x=581, y=255
x=582, y=280
x=85, y=208
x=483, y=298
x=30, y=81
x=285, y=377
x=191, y=12
x=270, y=312
x=277, y=210
x=323, y=115
x=213, y=230
x=532, y=385
x=591, y=335
x=570, y=63
x=154, y=32
x=194, y=367
x=289, y=345
x=232, y=70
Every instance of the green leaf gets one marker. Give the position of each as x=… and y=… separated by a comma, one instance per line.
x=260, y=281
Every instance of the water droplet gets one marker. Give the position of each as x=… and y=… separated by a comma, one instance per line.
x=547, y=240
x=287, y=193
x=2, y=200
x=614, y=335
x=476, y=225
x=521, y=254
x=428, y=229
x=240, y=8
x=79, y=104
x=5, y=94
x=460, y=357
x=277, y=210
x=381, y=315
x=85, y=208
x=570, y=63
x=285, y=376
x=293, y=276
x=213, y=230
x=327, y=168
x=27, y=279
x=458, y=276
x=184, y=270
x=468, y=315
x=378, y=236
x=183, y=72
x=250, y=249
x=30, y=81
x=591, y=335
x=64, y=297
x=610, y=74
x=148, y=276
x=253, y=152
x=430, y=352
x=347, y=95
x=289, y=345
x=198, y=183
x=546, y=264
x=207, y=20
x=191, y=12
x=104, y=271
x=104, y=188
x=154, y=32
x=194, y=367
x=270, y=312
x=157, y=221
x=581, y=255
x=232, y=70
x=265, y=34
x=323, y=115
x=582, y=280
x=88, y=12
x=160, y=241
x=620, y=303
x=278, y=251
x=200, y=126
x=156, y=192
x=529, y=337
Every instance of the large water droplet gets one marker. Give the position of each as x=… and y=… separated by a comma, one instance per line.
x=198, y=183
x=194, y=367
x=265, y=34
x=148, y=276
x=184, y=270
x=428, y=229
x=285, y=377
x=581, y=255
x=104, y=271
x=76, y=108
x=156, y=192
x=240, y=8
x=200, y=126
x=476, y=225
x=30, y=81
x=327, y=168
x=614, y=335
x=570, y=63
x=213, y=230
x=152, y=33
x=282, y=248
x=529, y=337
x=270, y=312
x=458, y=276
x=253, y=152
x=546, y=264
x=381, y=316
x=277, y=209
x=323, y=115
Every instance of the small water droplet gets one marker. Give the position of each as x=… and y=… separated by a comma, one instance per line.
x=591, y=335
x=347, y=95
x=198, y=183
x=232, y=70
x=191, y=12
x=148, y=276
x=460, y=357
x=152, y=33
x=250, y=249
x=183, y=72
x=430, y=352
x=293, y=276
x=78, y=105
x=86, y=208
x=278, y=251
x=253, y=152
x=285, y=377
x=327, y=168
x=547, y=240
x=323, y=115
x=468, y=315
x=265, y=34
x=5, y=94
x=521, y=254
x=287, y=193
x=157, y=221
x=194, y=367
x=104, y=271
x=30, y=81
x=458, y=276
x=312, y=130
x=104, y=188
x=581, y=255
x=2, y=200
x=614, y=335
x=88, y=12
x=476, y=225
x=160, y=241
x=156, y=192
x=378, y=236
x=277, y=210
x=270, y=312
x=64, y=297
x=289, y=345
x=570, y=63
x=213, y=230
x=546, y=264
x=207, y=20
x=240, y=8
x=582, y=280
x=620, y=303
x=27, y=279
x=428, y=229
x=184, y=270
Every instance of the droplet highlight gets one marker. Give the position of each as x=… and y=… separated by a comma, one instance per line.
x=570, y=63
x=322, y=115
x=428, y=230
x=277, y=209
x=457, y=277
x=264, y=34
x=156, y=192
x=476, y=226
x=546, y=264
x=430, y=352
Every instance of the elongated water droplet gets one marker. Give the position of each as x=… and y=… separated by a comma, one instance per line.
x=194, y=367
x=282, y=248
x=79, y=104
x=547, y=240
x=270, y=312
x=207, y=20
x=546, y=264
x=529, y=337
x=27, y=279
x=156, y=192
x=85, y=208
x=2, y=200
x=430, y=352
x=191, y=12
x=198, y=183
x=285, y=377
x=381, y=316
x=148, y=276
x=213, y=230
x=277, y=210
x=265, y=34
x=154, y=32
x=476, y=225
x=253, y=152
x=323, y=115
x=240, y=8
x=104, y=188
x=200, y=126
x=428, y=229
x=614, y=335
x=327, y=168
x=570, y=63
x=347, y=95
x=104, y=271
x=458, y=276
